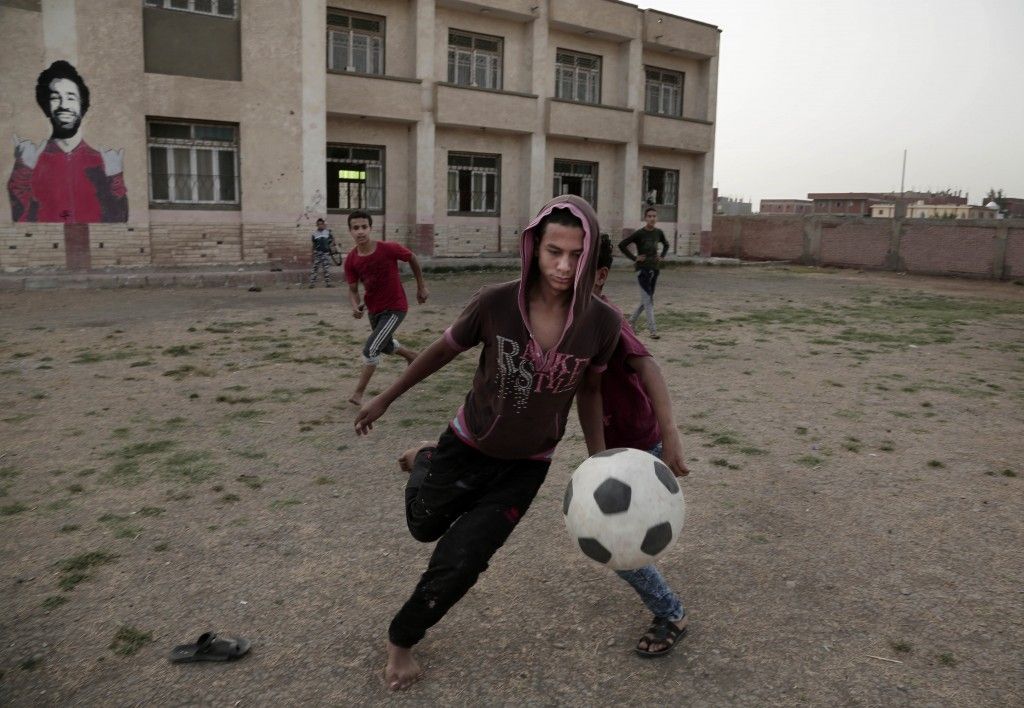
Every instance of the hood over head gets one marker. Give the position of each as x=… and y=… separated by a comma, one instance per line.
x=586, y=271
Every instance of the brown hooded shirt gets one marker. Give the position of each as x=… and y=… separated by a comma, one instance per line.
x=521, y=396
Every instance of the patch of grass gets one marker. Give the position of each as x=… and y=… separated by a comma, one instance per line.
x=53, y=602
x=31, y=663
x=76, y=569
x=129, y=640
x=323, y=480
x=230, y=498
x=181, y=349
x=192, y=467
x=91, y=357
x=250, y=480
x=12, y=509
x=801, y=430
x=938, y=464
x=809, y=460
x=752, y=450
x=161, y=547
x=947, y=659
x=148, y=511
x=724, y=439
x=887, y=446
x=283, y=503
x=75, y=488
x=19, y=418
x=9, y=472
x=901, y=647
x=1008, y=473
x=250, y=454
x=69, y=528
x=153, y=447
x=183, y=372
x=126, y=472
x=141, y=362
x=248, y=414
x=234, y=400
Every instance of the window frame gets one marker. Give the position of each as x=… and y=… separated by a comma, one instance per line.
x=382, y=163
x=556, y=177
x=190, y=7
x=665, y=209
x=660, y=81
x=381, y=35
x=576, y=75
x=475, y=53
x=169, y=146
x=474, y=170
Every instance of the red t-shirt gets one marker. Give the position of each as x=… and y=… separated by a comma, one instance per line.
x=378, y=273
x=629, y=419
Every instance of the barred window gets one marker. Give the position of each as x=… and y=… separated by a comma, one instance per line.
x=474, y=182
x=474, y=60
x=355, y=42
x=192, y=163
x=575, y=177
x=664, y=92
x=218, y=8
x=355, y=177
x=577, y=77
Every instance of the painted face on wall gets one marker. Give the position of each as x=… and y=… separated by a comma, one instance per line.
x=65, y=108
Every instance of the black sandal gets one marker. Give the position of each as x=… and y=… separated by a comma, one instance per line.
x=661, y=631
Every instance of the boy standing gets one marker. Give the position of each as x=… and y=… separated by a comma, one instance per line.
x=375, y=265
x=638, y=414
x=323, y=241
x=545, y=337
x=646, y=241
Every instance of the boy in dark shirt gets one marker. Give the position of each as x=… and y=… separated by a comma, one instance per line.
x=323, y=241
x=638, y=414
x=546, y=339
x=646, y=241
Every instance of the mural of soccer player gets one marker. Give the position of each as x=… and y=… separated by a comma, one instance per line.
x=63, y=179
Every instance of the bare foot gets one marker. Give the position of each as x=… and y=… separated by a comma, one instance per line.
x=402, y=670
x=408, y=458
x=356, y=399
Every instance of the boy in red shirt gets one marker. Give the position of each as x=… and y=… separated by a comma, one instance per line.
x=638, y=414
x=375, y=265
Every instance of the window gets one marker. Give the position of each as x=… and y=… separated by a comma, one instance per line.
x=219, y=8
x=579, y=178
x=474, y=60
x=355, y=177
x=355, y=42
x=193, y=163
x=473, y=183
x=661, y=190
x=577, y=77
x=664, y=92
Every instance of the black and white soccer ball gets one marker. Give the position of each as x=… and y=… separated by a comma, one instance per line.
x=623, y=508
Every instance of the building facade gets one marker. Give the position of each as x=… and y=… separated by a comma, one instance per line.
x=217, y=131
x=788, y=207
x=921, y=210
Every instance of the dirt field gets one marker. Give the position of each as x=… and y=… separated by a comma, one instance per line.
x=178, y=461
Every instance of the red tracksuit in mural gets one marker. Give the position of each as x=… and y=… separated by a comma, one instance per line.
x=67, y=187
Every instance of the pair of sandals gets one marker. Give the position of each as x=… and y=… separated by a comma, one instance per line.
x=662, y=632
x=210, y=647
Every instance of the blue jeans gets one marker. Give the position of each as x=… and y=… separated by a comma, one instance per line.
x=651, y=587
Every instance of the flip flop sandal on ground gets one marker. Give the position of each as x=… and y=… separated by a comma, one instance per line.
x=210, y=647
x=661, y=631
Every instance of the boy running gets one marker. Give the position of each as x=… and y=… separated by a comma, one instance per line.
x=323, y=241
x=375, y=265
x=646, y=240
x=638, y=414
x=544, y=337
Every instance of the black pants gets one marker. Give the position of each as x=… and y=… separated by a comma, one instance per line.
x=469, y=503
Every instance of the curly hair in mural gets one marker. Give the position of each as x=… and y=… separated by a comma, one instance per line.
x=63, y=179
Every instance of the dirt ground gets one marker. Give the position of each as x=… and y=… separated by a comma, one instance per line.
x=178, y=461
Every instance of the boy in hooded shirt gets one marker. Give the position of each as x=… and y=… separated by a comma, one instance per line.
x=546, y=339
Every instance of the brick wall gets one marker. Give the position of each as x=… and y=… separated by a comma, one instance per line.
x=196, y=244
x=31, y=246
x=979, y=248
x=113, y=245
x=855, y=243
x=772, y=239
x=931, y=248
x=1014, y=263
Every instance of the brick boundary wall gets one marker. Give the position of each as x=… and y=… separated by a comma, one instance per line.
x=978, y=248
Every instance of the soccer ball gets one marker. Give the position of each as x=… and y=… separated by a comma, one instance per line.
x=624, y=508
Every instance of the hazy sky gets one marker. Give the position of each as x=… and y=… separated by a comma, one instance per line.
x=824, y=95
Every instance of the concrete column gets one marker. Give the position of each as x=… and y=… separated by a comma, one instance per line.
x=314, y=109
x=60, y=31
x=999, y=251
x=541, y=84
x=707, y=202
x=632, y=174
x=422, y=153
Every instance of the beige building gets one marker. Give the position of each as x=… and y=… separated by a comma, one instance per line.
x=217, y=131
x=920, y=210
